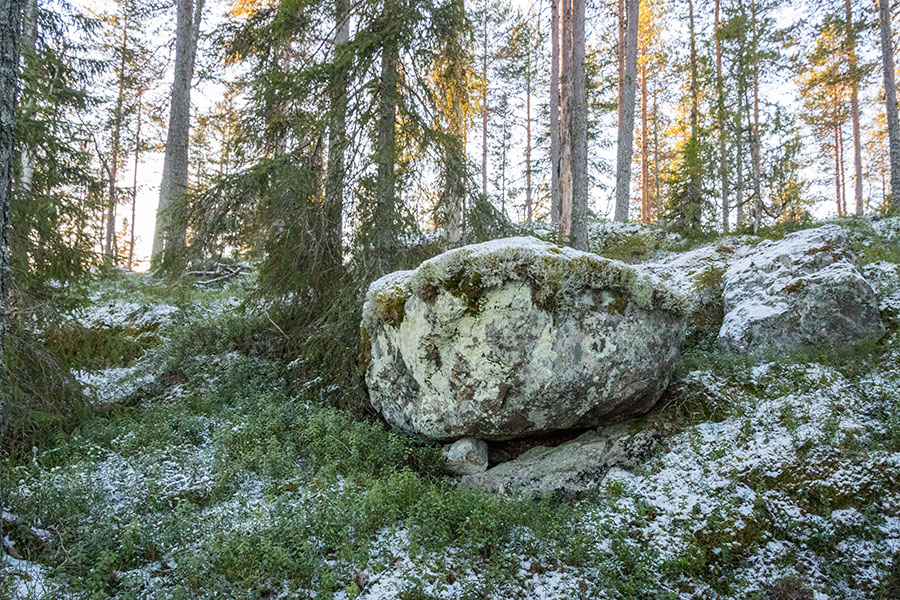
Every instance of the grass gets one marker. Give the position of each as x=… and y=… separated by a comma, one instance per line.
x=231, y=475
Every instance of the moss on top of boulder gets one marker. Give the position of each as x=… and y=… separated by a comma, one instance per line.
x=555, y=273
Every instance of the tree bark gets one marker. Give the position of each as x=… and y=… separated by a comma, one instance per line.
x=645, y=155
x=170, y=231
x=565, y=117
x=337, y=135
x=554, y=112
x=854, y=108
x=10, y=14
x=837, y=171
x=579, y=129
x=626, y=111
x=720, y=110
x=111, y=247
x=529, y=196
x=694, y=183
x=843, y=170
x=484, y=106
x=755, y=147
x=134, y=184
x=890, y=97
x=386, y=146
x=29, y=41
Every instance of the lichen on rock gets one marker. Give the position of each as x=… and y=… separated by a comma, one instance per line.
x=517, y=336
x=804, y=290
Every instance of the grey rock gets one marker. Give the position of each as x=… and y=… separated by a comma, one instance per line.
x=466, y=457
x=516, y=337
x=804, y=290
x=885, y=279
x=570, y=469
x=697, y=274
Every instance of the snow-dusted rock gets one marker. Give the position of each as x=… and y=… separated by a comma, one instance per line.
x=514, y=337
x=697, y=274
x=466, y=457
x=885, y=279
x=804, y=290
x=569, y=469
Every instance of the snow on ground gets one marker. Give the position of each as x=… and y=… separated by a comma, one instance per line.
x=792, y=478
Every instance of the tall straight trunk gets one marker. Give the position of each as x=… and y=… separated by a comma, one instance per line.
x=337, y=134
x=620, y=59
x=134, y=182
x=837, y=171
x=890, y=97
x=386, y=147
x=29, y=41
x=656, y=183
x=694, y=177
x=565, y=118
x=755, y=147
x=645, y=155
x=843, y=170
x=10, y=15
x=529, y=198
x=170, y=231
x=554, y=111
x=579, y=129
x=626, y=112
x=854, y=108
x=111, y=247
x=484, y=107
x=720, y=117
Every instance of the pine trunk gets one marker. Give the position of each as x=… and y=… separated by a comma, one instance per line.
x=386, y=149
x=10, y=13
x=645, y=146
x=720, y=109
x=854, y=108
x=890, y=95
x=565, y=133
x=29, y=41
x=484, y=107
x=837, y=171
x=170, y=229
x=134, y=183
x=111, y=247
x=843, y=170
x=579, y=129
x=755, y=148
x=626, y=113
x=694, y=177
x=337, y=135
x=529, y=198
x=554, y=111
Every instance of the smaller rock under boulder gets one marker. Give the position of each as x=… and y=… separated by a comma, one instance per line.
x=467, y=456
x=804, y=290
x=570, y=469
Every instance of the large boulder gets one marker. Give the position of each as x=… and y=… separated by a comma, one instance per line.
x=515, y=337
x=571, y=469
x=804, y=290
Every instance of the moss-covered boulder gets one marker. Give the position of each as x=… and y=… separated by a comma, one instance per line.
x=515, y=337
x=804, y=290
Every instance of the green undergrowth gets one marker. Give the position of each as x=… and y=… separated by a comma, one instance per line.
x=247, y=466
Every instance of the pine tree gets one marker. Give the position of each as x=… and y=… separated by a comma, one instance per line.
x=11, y=14
x=170, y=227
x=890, y=96
x=626, y=111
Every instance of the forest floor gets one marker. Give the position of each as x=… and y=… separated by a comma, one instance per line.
x=202, y=473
